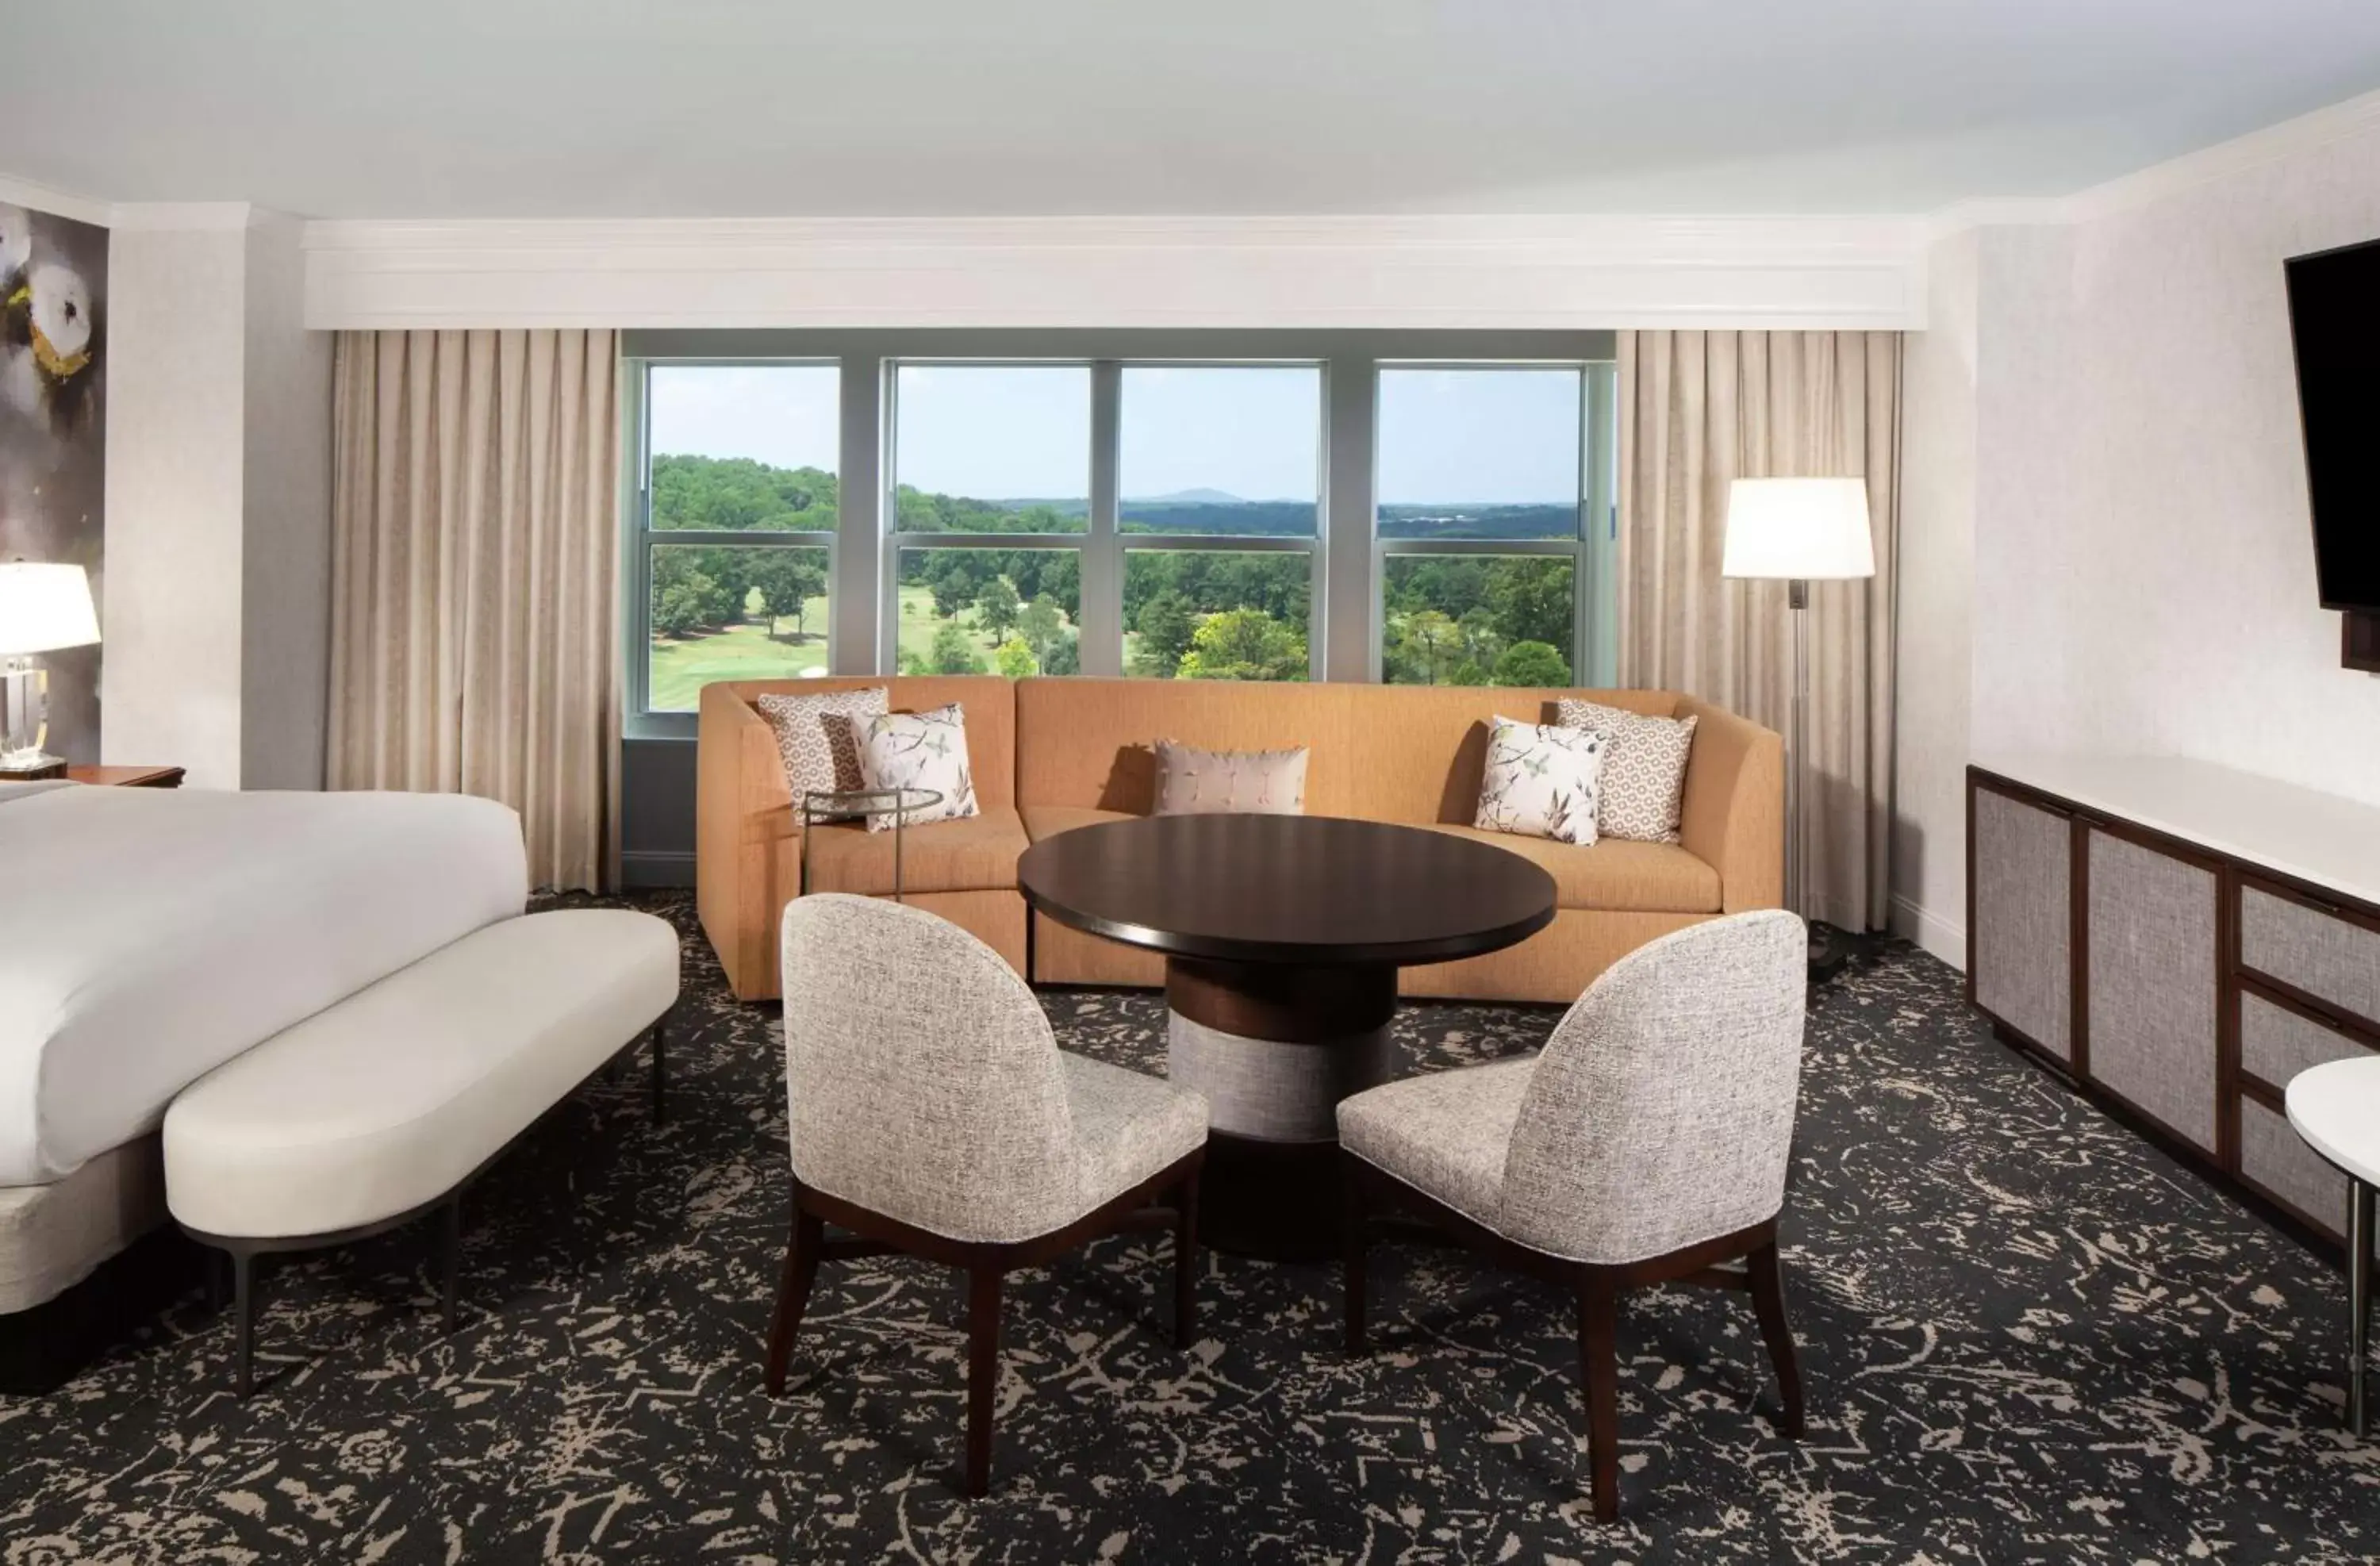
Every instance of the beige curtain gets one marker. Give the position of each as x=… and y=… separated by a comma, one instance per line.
x=475, y=610
x=1696, y=410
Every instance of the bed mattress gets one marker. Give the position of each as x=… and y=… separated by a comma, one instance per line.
x=147, y=936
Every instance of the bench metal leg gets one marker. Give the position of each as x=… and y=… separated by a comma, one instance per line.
x=243, y=1306
x=2359, y=1299
x=661, y=1110
x=450, y=1260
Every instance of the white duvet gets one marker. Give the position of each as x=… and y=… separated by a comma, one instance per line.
x=148, y=935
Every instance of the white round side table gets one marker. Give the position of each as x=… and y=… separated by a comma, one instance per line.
x=2335, y=1108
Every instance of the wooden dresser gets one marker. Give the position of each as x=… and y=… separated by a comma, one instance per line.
x=2179, y=939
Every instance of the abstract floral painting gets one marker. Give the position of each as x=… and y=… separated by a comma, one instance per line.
x=52, y=429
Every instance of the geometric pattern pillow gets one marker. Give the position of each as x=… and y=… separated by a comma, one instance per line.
x=1200, y=782
x=817, y=737
x=1644, y=769
x=919, y=750
x=1540, y=781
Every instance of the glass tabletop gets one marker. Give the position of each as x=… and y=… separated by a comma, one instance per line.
x=832, y=803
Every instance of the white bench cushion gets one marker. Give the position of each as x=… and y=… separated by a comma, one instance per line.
x=394, y=1096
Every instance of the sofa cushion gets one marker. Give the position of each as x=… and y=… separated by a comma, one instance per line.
x=927, y=751
x=974, y=853
x=817, y=737
x=1049, y=821
x=1093, y=741
x=1614, y=874
x=1191, y=781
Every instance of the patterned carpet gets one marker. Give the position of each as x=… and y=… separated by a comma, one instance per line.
x=2028, y=1336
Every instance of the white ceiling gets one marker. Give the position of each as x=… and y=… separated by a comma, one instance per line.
x=599, y=108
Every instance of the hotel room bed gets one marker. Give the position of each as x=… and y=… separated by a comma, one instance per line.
x=146, y=937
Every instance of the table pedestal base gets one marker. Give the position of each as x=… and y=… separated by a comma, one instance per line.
x=1274, y=1049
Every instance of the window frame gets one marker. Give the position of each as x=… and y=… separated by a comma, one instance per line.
x=1592, y=551
x=1345, y=626
x=642, y=537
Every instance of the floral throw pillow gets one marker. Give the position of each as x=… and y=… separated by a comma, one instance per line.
x=817, y=737
x=1540, y=781
x=1198, y=782
x=1644, y=782
x=919, y=750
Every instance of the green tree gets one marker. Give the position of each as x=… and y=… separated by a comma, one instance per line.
x=1531, y=599
x=1166, y=629
x=950, y=653
x=1531, y=664
x=1429, y=644
x=1245, y=644
x=1042, y=625
x=786, y=580
x=997, y=607
x=1063, y=658
x=1013, y=660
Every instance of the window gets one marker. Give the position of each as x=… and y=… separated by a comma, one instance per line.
x=1223, y=463
x=991, y=500
x=1479, y=517
x=1422, y=506
x=736, y=524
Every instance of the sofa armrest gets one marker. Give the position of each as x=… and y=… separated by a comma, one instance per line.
x=1734, y=816
x=747, y=840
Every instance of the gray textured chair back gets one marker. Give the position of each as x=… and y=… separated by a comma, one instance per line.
x=922, y=1080
x=1661, y=1112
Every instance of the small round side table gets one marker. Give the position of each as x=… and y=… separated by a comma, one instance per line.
x=857, y=804
x=2335, y=1108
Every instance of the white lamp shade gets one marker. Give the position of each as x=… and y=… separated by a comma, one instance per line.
x=43, y=608
x=1805, y=529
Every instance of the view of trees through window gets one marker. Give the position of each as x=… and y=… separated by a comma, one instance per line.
x=1477, y=511
x=746, y=450
x=1474, y=456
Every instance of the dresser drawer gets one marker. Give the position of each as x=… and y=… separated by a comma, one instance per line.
x=2275, y=1157
x=2329, y=957
x=2277, y=1043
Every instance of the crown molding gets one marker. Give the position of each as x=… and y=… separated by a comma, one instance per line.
x=1468, y=272
x=183, y=216
x=48, y=199
x=2242, y=155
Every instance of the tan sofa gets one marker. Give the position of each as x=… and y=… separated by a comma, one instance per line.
x=1049, y=755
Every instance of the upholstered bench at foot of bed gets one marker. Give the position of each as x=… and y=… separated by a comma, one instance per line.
x=385, y=1106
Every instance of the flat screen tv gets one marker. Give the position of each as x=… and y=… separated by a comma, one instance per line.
x=2335, y=321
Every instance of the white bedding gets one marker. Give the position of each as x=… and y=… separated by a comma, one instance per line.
x=147, y=936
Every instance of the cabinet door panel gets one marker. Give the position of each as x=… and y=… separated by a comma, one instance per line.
x=2154, y=983
x=2023, y=940
x=2275, y=1157
x=2333, y=960
x=2276, y=1043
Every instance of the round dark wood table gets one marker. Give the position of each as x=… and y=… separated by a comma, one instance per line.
x=1283, y=937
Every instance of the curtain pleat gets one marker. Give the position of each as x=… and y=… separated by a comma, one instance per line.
x=475, y=618
x=1698, y=410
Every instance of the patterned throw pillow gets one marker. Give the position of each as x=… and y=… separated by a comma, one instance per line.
x=817, y=737
x=1257, y=783
x=1643, y=783
x=1540, y=781
x=919, y=750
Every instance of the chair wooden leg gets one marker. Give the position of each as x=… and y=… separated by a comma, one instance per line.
x=1185, y=1262
x=1766, y=1271
x=802, y=1247
x=1598, y=1363
x=1352, y=1243
x=983, y=1372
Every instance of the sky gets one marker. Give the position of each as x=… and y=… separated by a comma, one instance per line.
x=1020, y=431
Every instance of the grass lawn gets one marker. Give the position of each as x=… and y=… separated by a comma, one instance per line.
x=683, y=665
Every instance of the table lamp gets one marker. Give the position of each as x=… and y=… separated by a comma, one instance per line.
x=43, y=609
x=1798, y=531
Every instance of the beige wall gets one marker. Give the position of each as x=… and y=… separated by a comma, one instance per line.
x=218, y=480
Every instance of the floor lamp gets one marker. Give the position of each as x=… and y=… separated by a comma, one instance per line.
x=1798, y=531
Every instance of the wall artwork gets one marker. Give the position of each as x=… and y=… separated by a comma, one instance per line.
x=52, y=429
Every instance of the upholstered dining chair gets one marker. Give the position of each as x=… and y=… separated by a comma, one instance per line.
x=933, y=1113
x=1646, y=1144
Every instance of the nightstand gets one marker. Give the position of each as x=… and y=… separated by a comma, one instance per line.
x=126, y=777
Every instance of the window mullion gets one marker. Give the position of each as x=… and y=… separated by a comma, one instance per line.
x=1101, y=642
